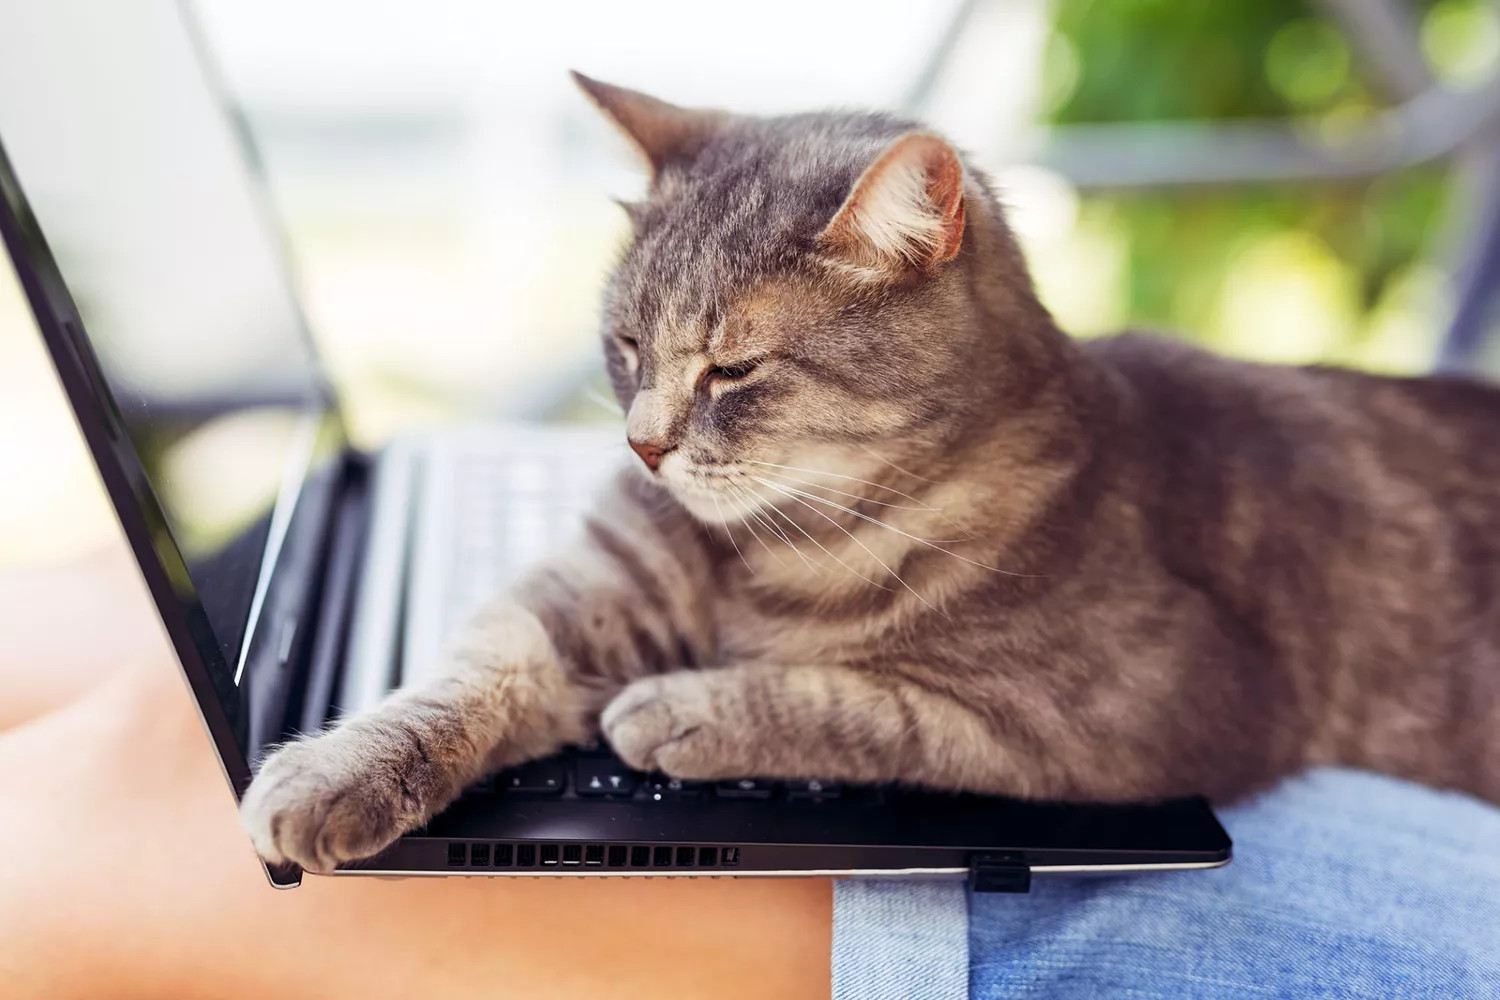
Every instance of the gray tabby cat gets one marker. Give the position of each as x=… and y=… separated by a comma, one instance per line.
x=890, y=524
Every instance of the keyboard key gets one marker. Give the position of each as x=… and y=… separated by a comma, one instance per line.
x=814, y=790
x=603, y=777
x=542, y=777
x=745, y=788
x=660, y=787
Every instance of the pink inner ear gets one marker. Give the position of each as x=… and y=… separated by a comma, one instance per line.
x=933, y=221
x=945, y=188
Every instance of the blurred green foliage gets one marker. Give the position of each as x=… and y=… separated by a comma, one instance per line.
x=1154, y=60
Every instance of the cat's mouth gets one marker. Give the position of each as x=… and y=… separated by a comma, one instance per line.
x=717, y=493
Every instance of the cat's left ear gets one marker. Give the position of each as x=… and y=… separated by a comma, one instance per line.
x=660, y=131
x=905, y=211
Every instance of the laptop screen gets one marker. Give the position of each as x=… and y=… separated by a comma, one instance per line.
x=138, y=182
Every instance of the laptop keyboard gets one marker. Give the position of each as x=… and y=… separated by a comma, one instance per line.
x=594, y=774
x=512, y=508
x=491, y=503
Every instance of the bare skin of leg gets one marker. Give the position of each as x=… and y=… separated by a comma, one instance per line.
x=64, y=628
x=125, y=873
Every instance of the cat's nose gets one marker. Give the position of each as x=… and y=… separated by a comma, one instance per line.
x=649, y=451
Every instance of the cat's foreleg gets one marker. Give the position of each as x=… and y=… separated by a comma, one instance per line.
x=347, y=793
x=529, y=676
x=811, y=722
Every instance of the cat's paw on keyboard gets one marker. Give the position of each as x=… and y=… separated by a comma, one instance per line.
x=668, y=723
x=334, y=798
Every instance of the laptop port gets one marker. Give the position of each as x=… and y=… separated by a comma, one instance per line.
x=504, y=855
x=731, y=857
x=479, y=854
x=640, y=857
x=572, y=854
x=458, y=855
x=550, y=853
x=685, y=856
x=708, y=856
x=525, y=855
x=662, y=857
x=617, y=853
x=593, y=854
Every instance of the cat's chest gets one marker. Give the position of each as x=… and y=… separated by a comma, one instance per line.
x=747, y=634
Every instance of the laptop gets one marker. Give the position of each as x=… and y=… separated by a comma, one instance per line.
x=301, y=580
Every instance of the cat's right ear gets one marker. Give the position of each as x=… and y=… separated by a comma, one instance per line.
x=661, y=132
x=905, y=211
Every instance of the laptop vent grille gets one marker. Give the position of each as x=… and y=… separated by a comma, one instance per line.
x=543, y=856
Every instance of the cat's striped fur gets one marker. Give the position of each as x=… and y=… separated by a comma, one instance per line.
x=892, y=525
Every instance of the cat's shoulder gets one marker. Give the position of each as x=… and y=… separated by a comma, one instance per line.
x=1142, y=351
x=1162, y=369
x=1194, y=384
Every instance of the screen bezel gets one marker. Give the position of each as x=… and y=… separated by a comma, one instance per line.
x=286, y=583
x=233, y=713
x=140, y=514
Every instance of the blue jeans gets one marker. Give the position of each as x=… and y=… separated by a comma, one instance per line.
x=1344, y=884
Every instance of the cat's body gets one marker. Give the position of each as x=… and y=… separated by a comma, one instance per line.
x=893, y=526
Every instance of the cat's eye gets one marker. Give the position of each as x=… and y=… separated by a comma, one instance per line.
x=629, y=343
x=734, y=372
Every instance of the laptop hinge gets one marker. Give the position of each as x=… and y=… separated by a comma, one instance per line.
x=999, y=872
x=335, y=596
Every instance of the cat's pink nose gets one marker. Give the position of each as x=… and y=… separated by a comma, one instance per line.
x=650, y=453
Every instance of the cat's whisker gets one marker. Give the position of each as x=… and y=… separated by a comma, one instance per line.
x=921, y=505
x=905, y=534
x=873, y=520
x=773, y=511
x=905, y=472
x=839, y=475
x=896, y=576
x=730, y=532
x=792, y=521
x=771, y=526
x=854, y=496
x=968, y=535
x=745, y=508
x=612, y=406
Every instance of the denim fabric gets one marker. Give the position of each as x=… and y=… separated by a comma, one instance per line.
x=1344, y=884
x=899, y=938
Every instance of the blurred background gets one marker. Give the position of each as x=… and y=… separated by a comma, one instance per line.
x=1279, y=180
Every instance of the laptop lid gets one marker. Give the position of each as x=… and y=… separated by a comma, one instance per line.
x=135, y=223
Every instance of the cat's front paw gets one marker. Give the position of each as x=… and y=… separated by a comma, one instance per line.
x=669, y=724
x=331, y=799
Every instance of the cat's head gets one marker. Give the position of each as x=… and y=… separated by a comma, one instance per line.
x=812, y=292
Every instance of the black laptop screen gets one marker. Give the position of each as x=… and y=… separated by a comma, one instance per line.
x=138, y=184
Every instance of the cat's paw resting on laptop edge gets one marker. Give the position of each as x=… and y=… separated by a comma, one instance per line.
x=338, y=797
